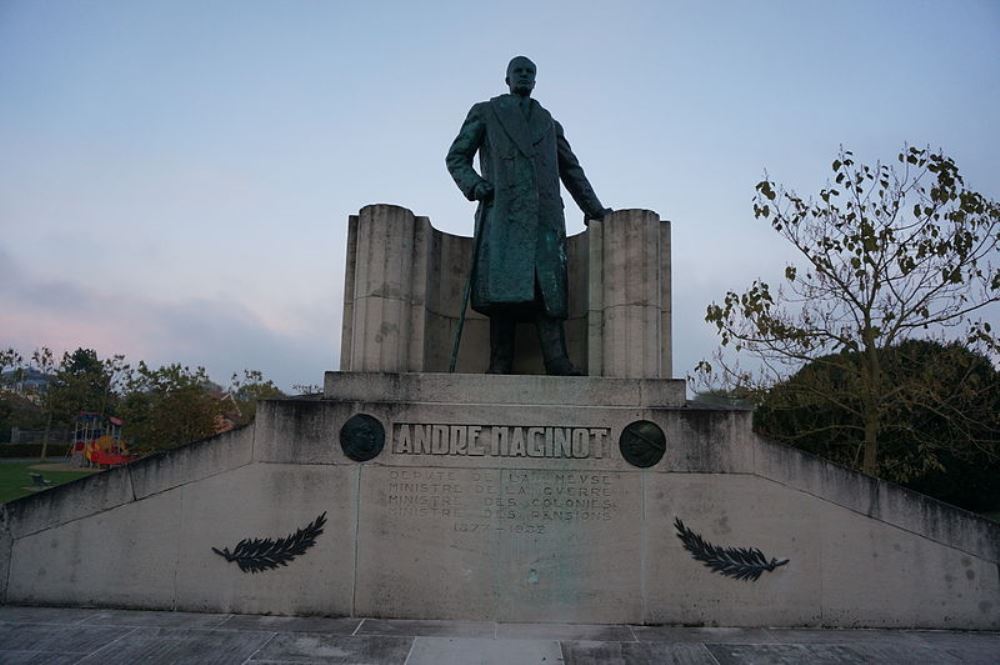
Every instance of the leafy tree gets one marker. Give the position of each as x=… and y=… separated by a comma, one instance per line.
x=10, y=361
x=886, y=253
x=168, y=407
x=78, y=384
x=43, y=361
x=162, y=408
x=82, y=381
x=941, y=435
x=248, y=389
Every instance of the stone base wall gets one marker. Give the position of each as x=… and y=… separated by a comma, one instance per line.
x=508, y=499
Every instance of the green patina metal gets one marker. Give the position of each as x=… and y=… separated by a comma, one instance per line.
x=520, y=226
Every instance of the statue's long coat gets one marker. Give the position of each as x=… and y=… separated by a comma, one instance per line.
x=522, y=231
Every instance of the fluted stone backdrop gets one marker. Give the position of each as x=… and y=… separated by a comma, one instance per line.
x=405, y=281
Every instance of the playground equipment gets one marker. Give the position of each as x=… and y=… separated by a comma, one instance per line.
x=97, y=441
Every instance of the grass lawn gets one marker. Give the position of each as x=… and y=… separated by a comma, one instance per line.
x=14, y=478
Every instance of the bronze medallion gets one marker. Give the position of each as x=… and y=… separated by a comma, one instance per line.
x=362, y=437
x=642, y=444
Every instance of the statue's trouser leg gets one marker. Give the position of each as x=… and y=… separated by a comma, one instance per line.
x=501, y=345
x=553, y=340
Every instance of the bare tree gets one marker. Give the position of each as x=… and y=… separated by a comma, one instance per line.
x=887, y=253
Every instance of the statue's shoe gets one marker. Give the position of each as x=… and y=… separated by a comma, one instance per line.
x=562, y=367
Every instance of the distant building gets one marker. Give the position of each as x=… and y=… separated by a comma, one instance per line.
x=28, y=382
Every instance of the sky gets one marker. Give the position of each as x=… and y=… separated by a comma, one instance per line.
x=176, y=175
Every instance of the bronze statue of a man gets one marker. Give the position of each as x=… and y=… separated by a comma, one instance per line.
x=520, y=266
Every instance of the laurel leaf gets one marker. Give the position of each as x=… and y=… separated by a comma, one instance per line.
x=742, y=563
x=260, y=554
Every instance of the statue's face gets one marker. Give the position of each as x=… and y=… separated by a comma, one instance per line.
x=521, y=76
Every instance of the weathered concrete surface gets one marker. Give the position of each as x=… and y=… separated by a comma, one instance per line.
x=880, y=500
x=434, y=651
x=739, y=511
x=117, y=487
x=6, y=544
x=845, y=570
x=301, y=432
x=505, y=499
x=940, y=586
x=63, y=636
x=387, y=265
x=157, y=552
x=629, y=307
x=125, y=556
x=485, y=548
x=191, y=463
x=65, y=503
x=269, y=500
x=405, y=281
x=502, y=389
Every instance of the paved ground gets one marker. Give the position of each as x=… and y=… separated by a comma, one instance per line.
x=54, y=636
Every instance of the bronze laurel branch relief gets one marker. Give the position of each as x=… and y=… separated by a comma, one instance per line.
x=742, y=563
x=261, y=554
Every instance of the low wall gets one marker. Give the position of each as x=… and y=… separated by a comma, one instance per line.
x=509, y=499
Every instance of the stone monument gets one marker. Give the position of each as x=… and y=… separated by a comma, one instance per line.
x=407, y=491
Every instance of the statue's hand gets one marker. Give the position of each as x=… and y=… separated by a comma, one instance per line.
x=598, y=216
x=483, y=191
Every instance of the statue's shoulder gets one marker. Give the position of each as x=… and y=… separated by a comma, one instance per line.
x=493, y=107
x=499, y=103
x=480, y=109
x=507, y=102
x=543, y=112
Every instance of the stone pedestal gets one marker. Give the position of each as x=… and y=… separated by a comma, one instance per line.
x=504, y=498
x=405, y=281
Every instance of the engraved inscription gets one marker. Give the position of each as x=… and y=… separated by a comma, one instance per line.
x=425, y=493
x=528, y=502
x=500, y=441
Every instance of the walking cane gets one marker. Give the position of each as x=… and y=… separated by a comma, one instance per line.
x=465, y=302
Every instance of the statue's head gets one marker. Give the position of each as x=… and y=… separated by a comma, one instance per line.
x=521, y=76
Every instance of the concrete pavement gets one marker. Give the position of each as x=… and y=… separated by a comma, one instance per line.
x=64, y=636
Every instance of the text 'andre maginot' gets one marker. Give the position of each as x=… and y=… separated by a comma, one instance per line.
x=500, y=441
